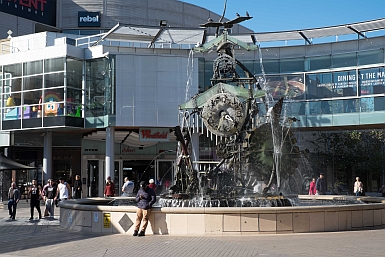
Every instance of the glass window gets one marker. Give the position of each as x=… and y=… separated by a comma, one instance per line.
x=95, y=86
x=322, y=62
x=319, y=85
x=53, y=102
x=345, y=83
x=54, y=80
x=15, y=70
x=370, y=57
x=292, y=65
x=286, y=86
x=51, y=65
x=12, y=85
x=32, y=68
x=379, y=103
x=367, y=104
x=271, y=66
x=74, y=73
x=33, y=82
x=371, y=81
x=32, y=97
x=344, y=60
x=74, y=96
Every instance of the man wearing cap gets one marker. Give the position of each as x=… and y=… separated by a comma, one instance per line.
x=146, y=198
x=152, y=185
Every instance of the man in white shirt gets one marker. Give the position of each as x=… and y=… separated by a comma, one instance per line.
x=128, y=187
x=63, y=190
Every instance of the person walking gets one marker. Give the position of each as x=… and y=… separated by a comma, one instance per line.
x=320, y=185
x=49, y=193
x=146, y=198
x=78, y=187
x=128, y=187
x=13, y=199
x=358, y=187
x=34, y=193
x=312, y=188
x=109, y=190
x=63, y=190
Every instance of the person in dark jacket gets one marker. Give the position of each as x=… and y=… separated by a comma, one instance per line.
x=34, y=192
x=320, y=185
x=146, y=198
x=78, y=187
x=14, y=197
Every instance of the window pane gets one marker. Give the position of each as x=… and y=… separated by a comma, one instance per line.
x=54, y=64
x=371, y=81
x=32, y=97
x=54, y=80
x=31, y=68
x=345, y=83
x=34, y=82
x=286, y=86
x=53, y=102
x=74, y=96
x=14, y=70
x=292, y=65
x=319, y=85
x=344, y=60
x=367, y=104
x=370, y=57
x=322, y=62
x=74, y=73
x=271, y=66
x=12, y=85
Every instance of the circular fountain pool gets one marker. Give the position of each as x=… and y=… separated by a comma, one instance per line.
x=96, y=215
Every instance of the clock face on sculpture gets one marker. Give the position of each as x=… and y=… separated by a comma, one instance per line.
x=223, y=114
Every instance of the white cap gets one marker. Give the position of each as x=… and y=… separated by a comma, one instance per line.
x=151, y=181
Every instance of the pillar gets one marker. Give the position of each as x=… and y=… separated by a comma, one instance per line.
x=47, y=156
x=110, y=155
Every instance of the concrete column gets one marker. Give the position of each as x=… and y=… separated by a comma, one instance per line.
x=110, y=155
x=47, y=156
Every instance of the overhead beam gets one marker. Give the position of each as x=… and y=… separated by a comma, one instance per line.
x=305, y=37
x=356, y=31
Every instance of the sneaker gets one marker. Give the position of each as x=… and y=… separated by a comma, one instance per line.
x=141, y=233
x=31, y=218
x=13, y=218
x=135, y=233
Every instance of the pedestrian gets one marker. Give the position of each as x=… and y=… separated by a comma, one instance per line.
x=152, y=184
x=146, y=198
x=43, y=196
x=109, y=190
x=358, y=187
x=49, y=193
x=312, y=188
x=78, y=187
x=382, y=190
x=13, y=199
x=128, y=187
x=320, y=185
x=34, y=193
x=63, y=190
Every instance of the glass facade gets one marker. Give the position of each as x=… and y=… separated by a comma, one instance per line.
x=33, y=92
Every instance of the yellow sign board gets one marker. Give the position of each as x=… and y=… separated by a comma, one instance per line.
x=107, y=220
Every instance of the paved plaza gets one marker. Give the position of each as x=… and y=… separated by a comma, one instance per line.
x=22, y=237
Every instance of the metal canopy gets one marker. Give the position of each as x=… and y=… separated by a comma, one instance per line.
x=9, y=164
x=178, y=35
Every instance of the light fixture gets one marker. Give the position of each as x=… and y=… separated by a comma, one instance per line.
x=163, y=23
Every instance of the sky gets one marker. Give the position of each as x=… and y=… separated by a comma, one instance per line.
x=281, y=15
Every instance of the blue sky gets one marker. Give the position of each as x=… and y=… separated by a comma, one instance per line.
x=280, y=15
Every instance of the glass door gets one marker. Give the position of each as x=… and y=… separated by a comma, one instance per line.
x=93, y=178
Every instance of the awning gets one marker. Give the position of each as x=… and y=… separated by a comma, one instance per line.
x=9, y=164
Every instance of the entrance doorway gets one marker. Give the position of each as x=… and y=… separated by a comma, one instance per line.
x=93, y=178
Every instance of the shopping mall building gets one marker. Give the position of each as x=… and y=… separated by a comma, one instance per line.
x=93, y=89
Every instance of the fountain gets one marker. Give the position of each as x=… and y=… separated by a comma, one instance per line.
x=247, y=191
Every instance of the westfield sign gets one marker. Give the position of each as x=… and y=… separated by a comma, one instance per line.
x=154, y=134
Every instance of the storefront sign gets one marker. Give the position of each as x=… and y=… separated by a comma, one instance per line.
x=154, y=135
x=43, y=11
x=89, y=19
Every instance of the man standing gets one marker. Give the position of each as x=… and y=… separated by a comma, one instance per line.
x=34, y=192
x=320, y=185
x=13, y=199
x=78, y=187
x=49, y=193
x=128, y=187
x=358, y=187
x=63, y=190
x=146, y=198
